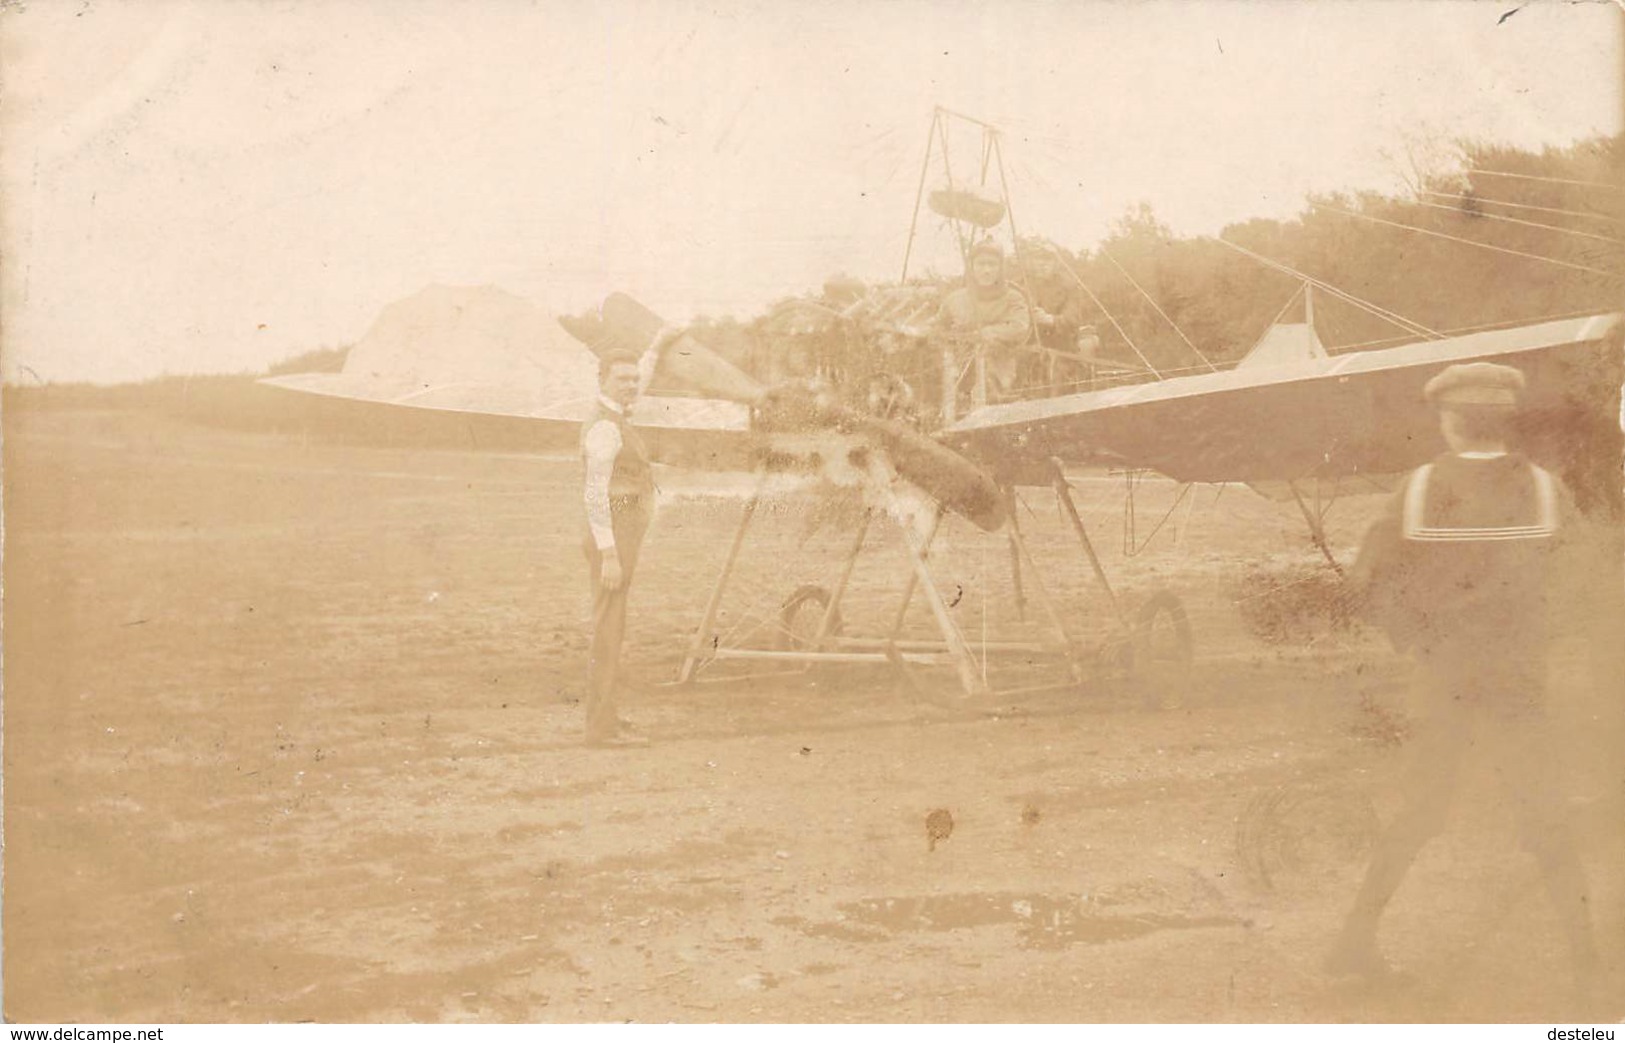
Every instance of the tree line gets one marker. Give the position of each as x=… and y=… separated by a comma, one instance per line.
x=1510, y=236
x=1505, y=235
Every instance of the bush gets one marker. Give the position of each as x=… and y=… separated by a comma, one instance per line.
x=1294, y=605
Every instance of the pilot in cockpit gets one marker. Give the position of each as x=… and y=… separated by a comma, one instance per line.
x=990, y=315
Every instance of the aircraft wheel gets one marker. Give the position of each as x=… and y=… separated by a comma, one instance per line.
x=800, y=617
x=1161, y=654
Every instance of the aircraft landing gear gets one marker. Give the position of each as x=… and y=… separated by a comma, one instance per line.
x=806, y=619
x=1161, y=651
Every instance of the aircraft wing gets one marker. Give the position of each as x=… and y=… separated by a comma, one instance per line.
x=655, y=412
x=470, y=352
x=1355, y=413
x=701, y=433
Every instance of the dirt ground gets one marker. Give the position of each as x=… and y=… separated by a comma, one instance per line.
x=292, y=733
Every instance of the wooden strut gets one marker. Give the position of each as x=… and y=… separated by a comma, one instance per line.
x=807, y=658
x=697, y=649
x=952, y=648
x=996, y=150
x=1063, y=493
x=931, y=645
x=936, y=138
x=913, y=579
x=948, y=175
x=1317, y=525
x=832, y=611
x=1015, y=557
x=919, y=195
x=950, y=383
x=1041, y=592
x=964, y=662
x=1132, y=544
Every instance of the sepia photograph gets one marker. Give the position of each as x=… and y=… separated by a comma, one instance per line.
x=937, y=511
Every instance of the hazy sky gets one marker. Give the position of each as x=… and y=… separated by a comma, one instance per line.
x=214, y=185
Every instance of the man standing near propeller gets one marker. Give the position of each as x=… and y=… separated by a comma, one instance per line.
x=618, y=495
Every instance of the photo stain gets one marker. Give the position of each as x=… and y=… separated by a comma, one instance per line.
x=1045, y=921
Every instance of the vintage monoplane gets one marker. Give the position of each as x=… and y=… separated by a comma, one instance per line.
x=905, y=414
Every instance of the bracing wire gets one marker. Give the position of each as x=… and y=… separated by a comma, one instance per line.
x=1520, y=221
x=1152, y=301
x=1472, y=242
x=1112, y=319
x=1393, y=318
x=1277, y=318
x=1465, y=197
x=1553, y=180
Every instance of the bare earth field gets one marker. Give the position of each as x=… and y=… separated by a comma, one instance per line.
x=291, y=733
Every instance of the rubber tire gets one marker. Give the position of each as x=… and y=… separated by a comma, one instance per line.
x=784, y=640
x=1159, y=678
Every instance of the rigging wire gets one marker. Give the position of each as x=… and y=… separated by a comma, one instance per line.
x=1152, y=301
x=1275, y=320
x=1469, y=197
x=1553, y=180
x=1521, y=221
x=1030, y=169
x=1471, y=242
x=874, y=141
x=1112, y=319
x=897, y=165
x=1393, y=318
x=1033, y=174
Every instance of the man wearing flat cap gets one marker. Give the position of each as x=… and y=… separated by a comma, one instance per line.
x=1458, y=573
